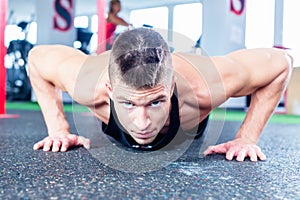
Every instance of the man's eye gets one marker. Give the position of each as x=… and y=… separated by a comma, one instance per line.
x=155, y=103
x=127, y=104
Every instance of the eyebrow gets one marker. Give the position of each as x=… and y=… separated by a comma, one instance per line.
x=162, y=96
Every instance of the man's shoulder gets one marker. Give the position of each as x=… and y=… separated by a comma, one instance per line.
x=191, y=60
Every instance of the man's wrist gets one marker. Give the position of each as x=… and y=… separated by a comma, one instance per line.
x=247, y=138
x=58, y=133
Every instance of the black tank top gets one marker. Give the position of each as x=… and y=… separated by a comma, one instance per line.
x=115, y=129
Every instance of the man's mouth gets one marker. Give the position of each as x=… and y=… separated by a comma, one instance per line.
x=144, y=135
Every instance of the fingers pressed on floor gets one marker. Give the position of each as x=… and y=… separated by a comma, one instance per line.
x=241, y=155
x=38, y=145
x=47, y=145
x=252, y=155
x=56, y=146
x=230, y=154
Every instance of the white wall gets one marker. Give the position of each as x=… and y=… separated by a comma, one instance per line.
x=55, y=24
x=223, y=30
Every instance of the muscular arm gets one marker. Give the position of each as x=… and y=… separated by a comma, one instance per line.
x=269, y=71
x=263, y=73
x=117, y=20
x=47, y=66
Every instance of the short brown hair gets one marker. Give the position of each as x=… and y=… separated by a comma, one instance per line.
x=140, y=58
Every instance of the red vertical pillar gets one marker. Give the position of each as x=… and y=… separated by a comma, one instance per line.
x=101, y=10
x=3, y=8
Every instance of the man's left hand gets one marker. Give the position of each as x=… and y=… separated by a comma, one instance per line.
x=238, y=148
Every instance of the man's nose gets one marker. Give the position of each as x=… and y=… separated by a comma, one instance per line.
x=141, y=119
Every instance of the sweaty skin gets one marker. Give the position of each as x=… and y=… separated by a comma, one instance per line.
x=203, y=83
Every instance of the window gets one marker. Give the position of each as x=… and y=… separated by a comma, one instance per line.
x=81, y=22
x=156, y=17
x=260, y=23
x=291, y=31
x=94, y=24
x=188, y=20
x=32, y=33
x=94, y=29
x=13, y=32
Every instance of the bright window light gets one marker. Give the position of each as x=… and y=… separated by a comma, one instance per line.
x=188, y=20
x=260, y=23
x=156, y=17
x=291, y=31
x=32, y=34
x=12, y=32
x=94, y=23
x=81, y=22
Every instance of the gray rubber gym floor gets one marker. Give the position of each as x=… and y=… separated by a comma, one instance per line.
x=82, y=174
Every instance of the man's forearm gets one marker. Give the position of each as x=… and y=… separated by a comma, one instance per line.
x=50, y=101
x=257, y=117
x=263, y=103
x=52, y=109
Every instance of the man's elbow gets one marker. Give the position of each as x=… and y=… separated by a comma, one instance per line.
x=34, y=53
x=282, y=58
x=34, y=57
x=286, y=64
x=289, y=62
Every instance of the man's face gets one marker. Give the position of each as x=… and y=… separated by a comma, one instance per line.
x=143, y=113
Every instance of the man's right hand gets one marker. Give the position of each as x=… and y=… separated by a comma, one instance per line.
x=62, y=143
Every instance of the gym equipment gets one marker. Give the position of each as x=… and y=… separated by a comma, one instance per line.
x=17, y=81
x=84, y=37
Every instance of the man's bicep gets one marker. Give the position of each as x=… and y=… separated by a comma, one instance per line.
x=56, y=63
x=259, y=62
x=46, y=58
x=253, y=69
x=262, y=65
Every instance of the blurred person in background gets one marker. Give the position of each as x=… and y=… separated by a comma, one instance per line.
x=112, y=21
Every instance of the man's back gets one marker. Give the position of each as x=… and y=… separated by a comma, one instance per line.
x=203, y=83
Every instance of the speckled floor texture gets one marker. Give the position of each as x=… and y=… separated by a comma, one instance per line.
x=106, y=173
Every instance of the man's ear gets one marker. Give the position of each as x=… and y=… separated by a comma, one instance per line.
x=108, y=88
